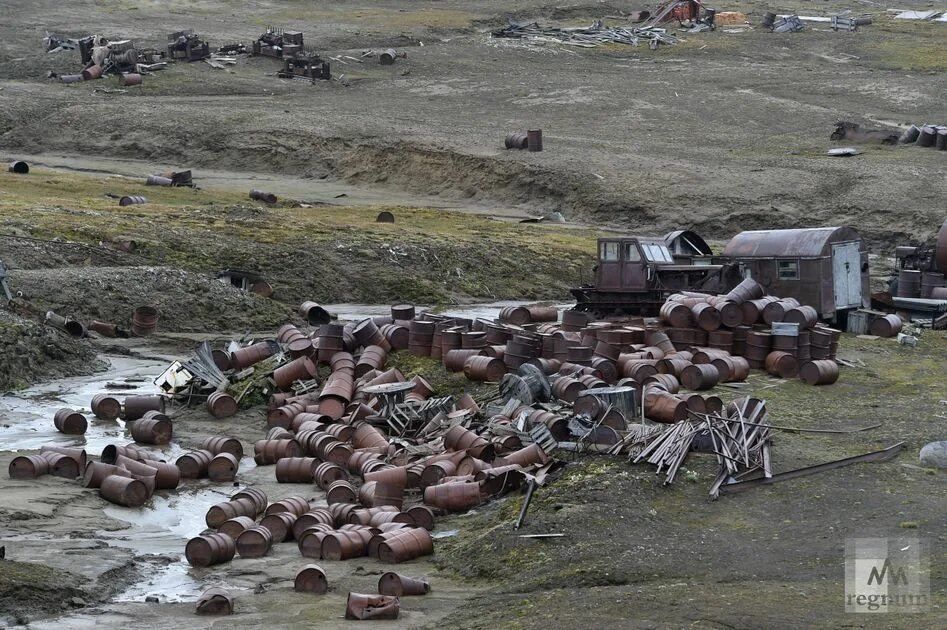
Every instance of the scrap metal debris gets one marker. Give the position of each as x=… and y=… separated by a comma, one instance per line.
x=591, y=36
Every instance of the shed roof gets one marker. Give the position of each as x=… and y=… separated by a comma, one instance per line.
x=807, y=242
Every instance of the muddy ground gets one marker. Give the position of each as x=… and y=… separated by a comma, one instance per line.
x=726, y=131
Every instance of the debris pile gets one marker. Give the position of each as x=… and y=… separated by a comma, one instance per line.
x=187, y=46
x=591, y=36
x=101, y=56
x=279, y=43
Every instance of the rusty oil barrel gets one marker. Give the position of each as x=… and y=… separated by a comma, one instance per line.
x=776, y=311
x=256, y=496
x=672, y=365
x=70, y=422
x=782, y=364
x=92, y=72
x=71, y=78
x=210, y=549
x=927, y=137
x=144, y=320
x=534, y=140
x=235, y=526
x=699, y=376
x=665, y=408
x=341, y=492
x=372, y=358
x=668, y=382
x=222, y=444
x=221, y=405
x=166, y=476
x=402, y=312
x=731, y=369
x=158, y=180
x=223, y=467
x=314, y=314
x=481, y=368
x=454, y=360
x=453, y=497
x=367, y=334
x=245, y=357
x=270, y=451
x=214, y=601
x=407, y=544
x=296, y=504
x=820, y=372
x=311, y=579
x=396, y=336
x=96, y=472
x=423, y=516
x=194, y=465
x=132, y=200
x=887, y=326
x=61, y=465
x=516, y=315
x=707, y=316
x=748, y=289
x=153, y=428
x=309, y=541
x=397, y=585
x=301, y=369
x=28, y=467
x=124, y=491
x=364, y=607
x=345, y=544
x=296, y=469
x=280, y=525
x=265, y=197
x=326, y=473
x=222, y=512
x=459, y=438
x=136, y=407
x=106, y=407
x=318, y=516
x=804, y=315
x=516, y=140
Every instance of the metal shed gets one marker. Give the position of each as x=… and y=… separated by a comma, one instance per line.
x=826, y=268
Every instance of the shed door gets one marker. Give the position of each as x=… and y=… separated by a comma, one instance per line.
x=846, y=271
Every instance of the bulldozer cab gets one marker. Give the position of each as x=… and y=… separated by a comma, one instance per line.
x=628, y=264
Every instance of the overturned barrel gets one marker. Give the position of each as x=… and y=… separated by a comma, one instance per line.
x=70, y=422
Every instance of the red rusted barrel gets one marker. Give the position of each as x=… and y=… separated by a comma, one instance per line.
x=28, y=467
x=235, y=526
x=731, y=369
x=804, y=315
x=421, y=337
x=707, y=317
x=222, y=512
x=221, y=404
x=245, y=357
x=367, y=436
x=318, y=516
x=397, y=336
x=280, y=525
x=129, y=79
x=402, y=312
x=214, y=601
x=367, y=334
x=668, y=382
x=221, y=444
x=516, y=140
x=673, y=365
x=453, y=497
x=782, y=364
x=295, y=504
x=346, y=544
x=223, y=467
x=152, y=430
x=459, y=438
x=567, y=389
x=296, y=469
x=640, y=369
x=311, y=579
x=314, y=314
x=454, y=360
x=111, y=452
x=364, y=607
x=665, y=408
x=372, y=358
x=887, y=326
x=534, y=140
x=340, y=492
x=194, y=465
x=209, y=549
x=221, y=359
x=776, y=311
x=270, y=451
x=70, y=422
x=326, y=473
x=821, y=372
x=748, y=289
x=256, y=496
x=137, y=406
x=265, y=197
x=96, y=472
x=167, y=476
x=124, y=491
x=301, y=369
x=481, y=368
x=676, y=314
x=92, y=72
x=699, y=376
x=144, y=321
x=61, y=465
x=391, y=583
x=106, y=407
x=310, y=540
x=423, y=516
x=516, y=315
x=408, y=544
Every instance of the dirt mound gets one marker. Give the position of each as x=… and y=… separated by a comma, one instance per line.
x=187, y=301
x=30, y=352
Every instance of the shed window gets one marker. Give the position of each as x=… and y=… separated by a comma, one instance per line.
x=788, y=269
x=631, y=253
x=608, y=251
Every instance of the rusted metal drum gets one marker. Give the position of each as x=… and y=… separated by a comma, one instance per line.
x=209, y=549
x=314, y=314
x=385, y=217
x=92, y=72
x=927, y=137
x=271, y=451
x=929, y=281
x=706, y=355
x=70, y=422
x=310, y=540
x=459, y=438
x=731, y=369
x=167, y=476
x=516, y=315
x=720, y=340
x=640, y=369
x=748, y=289
x=318, y=516
x=222, y=512
x=372, y=358
x=326, y=473
x=256, y=496
x=345, y=544
x=527, y=456
x=340, y=492
x=672, y=365
x=280, y=525
x=144, y=321
x=106, y=407
x=515, y=140
x=482, y=368
x=782, y=364
x=909, y=283
x=76, y=454
x=910, y=135
x=124, y=491
x=676, y=314
x=396, y=336
x=297, y=505
x=822, y=372
x=311, y=579
x=158, y=180
x=700, y=376
x=941, y=143
x=391, y=583
x=663, y=407
x=667, y=382
x=454, y=360
x=221, y=444
x=28, y=467
x=407, y=544
x=364, y=607
x=367, y=334
x=111, y=452
x=534, y=140
x=194, y=465
x=707, y=317
x=296, y=469
x=776, y=311
x=137, y=406
x=245, y=357
x=220, y=404
x=301, y=369
x=402, y=312
x=214, y=601
x=71, y=326
x=423, y=516
x=567, y=389
x=367, y=436
x=804, y=315
x=61, y=465
x=96, y=472
x=71, y=78
x=235, y=526
x=152, y=430
x=887, y=326
x=223, y=467
x=260, y=195
x=132, y=200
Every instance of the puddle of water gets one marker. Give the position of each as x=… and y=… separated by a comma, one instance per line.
x=28, y=414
